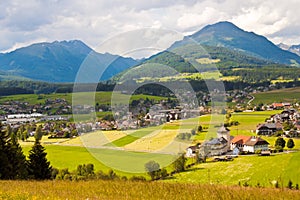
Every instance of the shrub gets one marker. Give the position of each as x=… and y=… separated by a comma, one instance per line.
x=290, y=184
x=137, y=178
x=258, y=151
x=278, y=148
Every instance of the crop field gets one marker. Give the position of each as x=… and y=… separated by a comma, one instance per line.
x=19, y=190
x=282, y=95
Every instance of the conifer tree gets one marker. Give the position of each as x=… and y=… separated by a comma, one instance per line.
x=17, y=159
x=5, y=166
x=38, y=166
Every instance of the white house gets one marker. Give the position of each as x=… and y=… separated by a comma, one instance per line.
x=256, y=143
x=249, y=143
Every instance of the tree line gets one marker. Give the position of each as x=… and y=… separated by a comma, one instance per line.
x=14, y=87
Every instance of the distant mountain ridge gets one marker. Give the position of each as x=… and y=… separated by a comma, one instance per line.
x=228, y=45
x=58, y=61
x=226, y=34
x=292, y=48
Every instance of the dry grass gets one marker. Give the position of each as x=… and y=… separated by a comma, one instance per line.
x=156, y=141
x=207, y=60
x=135, y=190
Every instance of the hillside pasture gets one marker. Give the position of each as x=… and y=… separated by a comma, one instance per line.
x=283, y=95
x=251, y=169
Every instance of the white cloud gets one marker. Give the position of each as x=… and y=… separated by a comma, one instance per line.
x=95, y=21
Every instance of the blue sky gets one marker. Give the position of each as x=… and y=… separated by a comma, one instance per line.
x=93, y=21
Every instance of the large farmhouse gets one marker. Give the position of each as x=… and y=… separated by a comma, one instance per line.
x=249, y=143
x=268, y=128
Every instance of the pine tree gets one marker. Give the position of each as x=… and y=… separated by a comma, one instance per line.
x=17, y=159
x=5, y=149
x=38, y=165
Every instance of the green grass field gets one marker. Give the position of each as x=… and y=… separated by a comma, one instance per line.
x=249, y=120
x=123, y=162
x=251, y=169
x=283, y=95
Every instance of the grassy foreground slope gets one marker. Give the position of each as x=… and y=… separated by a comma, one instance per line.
x=135, y=190
x=253, y=170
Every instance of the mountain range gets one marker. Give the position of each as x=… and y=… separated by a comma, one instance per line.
x=226, y=34
x=292, y=48
x=60, y=61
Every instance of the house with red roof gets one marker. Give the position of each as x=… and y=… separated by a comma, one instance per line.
x=249, y=143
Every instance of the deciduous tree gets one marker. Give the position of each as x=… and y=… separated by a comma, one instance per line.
x=179, y=163
x=152, y=169
x=290, y=143
x=280, y=142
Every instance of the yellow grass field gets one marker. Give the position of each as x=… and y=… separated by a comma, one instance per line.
x=108, y=190
x=155, y=142
x=207, y=60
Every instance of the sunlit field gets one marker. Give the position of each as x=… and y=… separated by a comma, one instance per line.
x=19, y=190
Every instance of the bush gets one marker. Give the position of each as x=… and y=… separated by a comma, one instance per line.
x=200, y=128
x=258, y=151
x=290, y=184
x=278, y=148
x=193, y=131
x=54, y=173
x=137, y=178
x=101, y=175
x=62, y=173
x=163, y=173
x=184, y=136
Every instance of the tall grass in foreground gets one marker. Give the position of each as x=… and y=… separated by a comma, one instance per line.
x=135, y=190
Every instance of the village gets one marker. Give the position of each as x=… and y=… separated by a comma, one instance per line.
x=224, y=147
x=54, y=117
x=285, y=124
